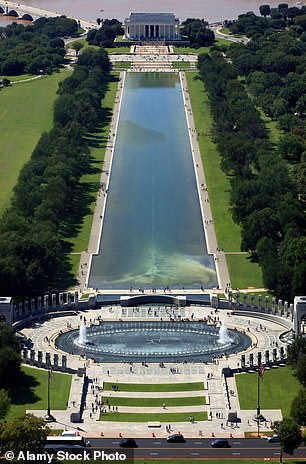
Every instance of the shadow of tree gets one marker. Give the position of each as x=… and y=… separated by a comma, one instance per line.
x=23, y=392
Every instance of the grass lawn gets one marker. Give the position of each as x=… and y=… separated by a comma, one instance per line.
x=148, y=387
x=21, y=77
x=277, y=390
x=122, y=64
x=26, y=110
x=152, y=417
x=32, y=392
x=155, y=402
x=243, y=272
x=228, y=233
x=90, y=182
x=180, y=65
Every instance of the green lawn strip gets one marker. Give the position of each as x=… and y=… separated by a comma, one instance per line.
x=152, y=417
x=181, y=64
x=243, y=272
x=114, y=50
x=148, y=387
x=122, y=64
x=21, y=77
x=277, y=390
x=155, y=402
x=90, y=182
x=32, y=392
x=25, y=112
x=271, y=125
x=228, y=233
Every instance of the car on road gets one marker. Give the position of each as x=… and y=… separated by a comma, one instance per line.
x=273, y=439
x=220, y=443
x=176, y=438
x=128, y=443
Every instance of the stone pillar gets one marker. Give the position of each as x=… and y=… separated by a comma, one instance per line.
x=53, y=299
x=252, y=300
x=48, y=359
x=282, y=352
x=64, y=361
x=242, y=361
x=46, y=302
x=237, y=299
x=32, y=356
x=76, y=299
x=24, y=354
x=267, y=303
x=259, y=359
x=39, y=303
x=280, y=305
x=274, y=354
x=267, y=355
x=26, y=307
x=61, y=298
x=20, y=309
x=39, y=358
x=291, y=311
x=245, y=300
x=251, y=360
x=33, y=309
x=259, y=302
x=286, y=308
x=273, y=305
x=230, y=298
x=55, y=360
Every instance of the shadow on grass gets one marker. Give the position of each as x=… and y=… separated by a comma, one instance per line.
x=23, y=392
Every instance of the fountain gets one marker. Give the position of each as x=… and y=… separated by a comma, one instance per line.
x=223, y=335
x=82, y=340
x=152, y=341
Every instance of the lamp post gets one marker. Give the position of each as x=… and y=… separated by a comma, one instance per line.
x=49, y=417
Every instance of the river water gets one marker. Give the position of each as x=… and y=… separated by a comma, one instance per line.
x=210, y=10
x=153, y=232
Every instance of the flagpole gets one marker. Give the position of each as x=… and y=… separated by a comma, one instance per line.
x=258, y=403
x=49, y=417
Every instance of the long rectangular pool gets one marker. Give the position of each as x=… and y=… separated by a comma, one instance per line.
x=153, y=234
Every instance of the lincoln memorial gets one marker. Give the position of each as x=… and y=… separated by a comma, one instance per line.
x=151, y=26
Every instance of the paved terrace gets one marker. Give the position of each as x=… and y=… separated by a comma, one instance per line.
x=210, y=374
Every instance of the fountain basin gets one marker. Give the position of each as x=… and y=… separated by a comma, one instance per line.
x=153, y=342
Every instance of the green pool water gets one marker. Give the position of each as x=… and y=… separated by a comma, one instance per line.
x=152, y=234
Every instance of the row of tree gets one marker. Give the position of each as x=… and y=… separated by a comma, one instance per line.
x=106, y=34
x=48, y=194
x=34, y=49
x=263, y=196
x=198, y=33
x=273, y=19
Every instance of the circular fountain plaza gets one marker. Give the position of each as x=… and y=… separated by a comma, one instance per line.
x=133, y=345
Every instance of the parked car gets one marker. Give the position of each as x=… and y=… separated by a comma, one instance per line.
x=128, y=443
x=176, y=438
x=273, y=439
x=220, y=443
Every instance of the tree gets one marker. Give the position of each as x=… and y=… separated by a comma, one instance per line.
x=26, y=433
x=264, y=10
x=4, y=403
x=301, y=370
x=296, y=351
x=289, y=433
x=77, y=46
x=298, y=407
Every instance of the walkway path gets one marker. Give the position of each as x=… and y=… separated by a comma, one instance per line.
x=211, y=239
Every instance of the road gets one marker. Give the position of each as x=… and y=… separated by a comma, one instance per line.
x=199, y=448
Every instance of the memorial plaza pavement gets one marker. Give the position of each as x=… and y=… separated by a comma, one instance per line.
x=211, y=374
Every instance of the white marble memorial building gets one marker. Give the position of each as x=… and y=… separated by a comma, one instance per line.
x=151, y=26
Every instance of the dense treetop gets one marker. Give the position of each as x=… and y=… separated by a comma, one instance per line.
x=33, y=49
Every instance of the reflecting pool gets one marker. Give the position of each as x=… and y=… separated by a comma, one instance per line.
x=153, y=232
x=153, y=342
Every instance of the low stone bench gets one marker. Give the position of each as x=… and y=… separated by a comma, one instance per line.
x=154, y=424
